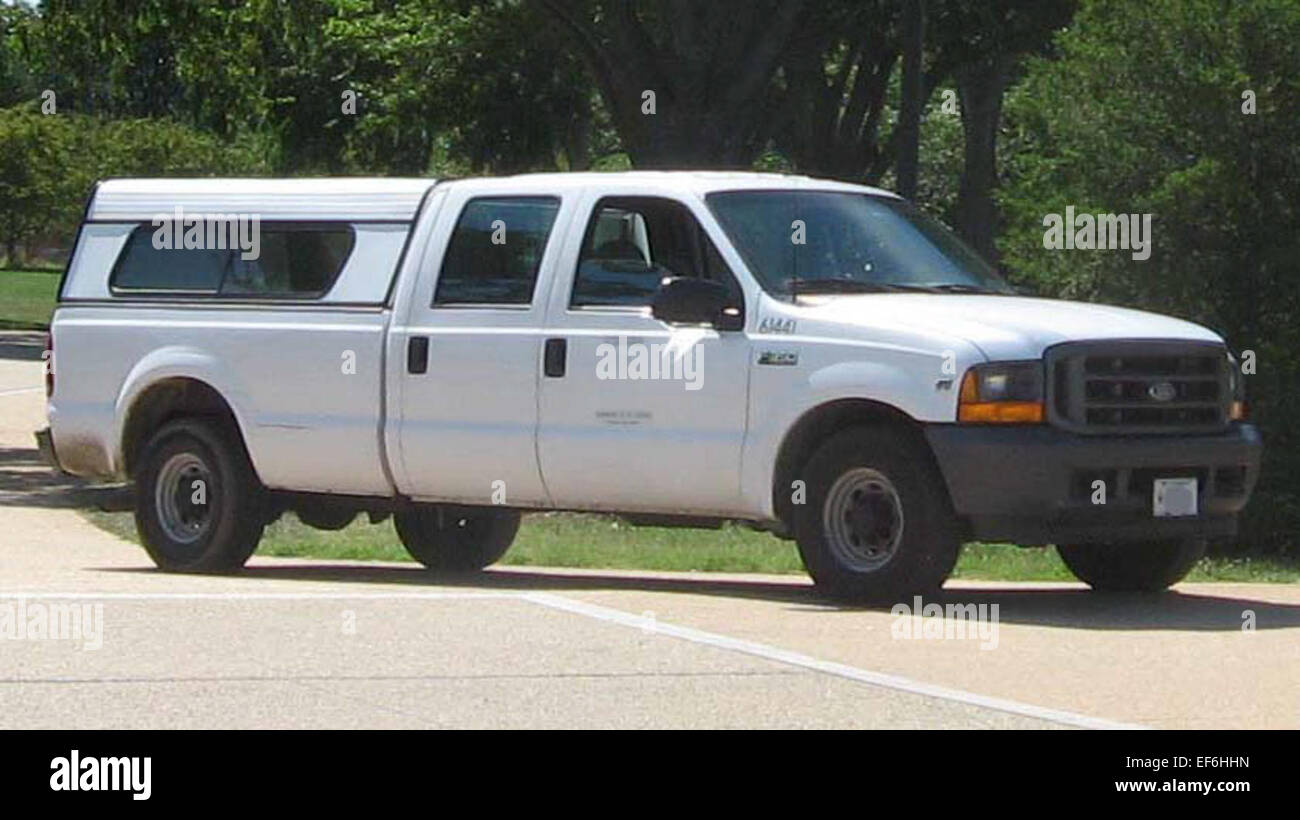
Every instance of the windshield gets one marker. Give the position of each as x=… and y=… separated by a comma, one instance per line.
x=845, y=242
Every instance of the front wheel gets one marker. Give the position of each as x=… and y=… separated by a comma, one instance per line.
x=1137, y=566
x=457, y=540
x=877, y=524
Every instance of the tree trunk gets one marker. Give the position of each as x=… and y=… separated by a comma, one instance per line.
x=708, y=66
x=909, y=117
x=979, y=88
x=577, y=139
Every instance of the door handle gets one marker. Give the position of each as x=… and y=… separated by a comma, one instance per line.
x=417, y=354
x=553, y=359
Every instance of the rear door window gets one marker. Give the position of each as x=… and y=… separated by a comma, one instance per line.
x=495, y=251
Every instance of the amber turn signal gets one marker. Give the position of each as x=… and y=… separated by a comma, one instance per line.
x=1009, y=412
x=974, y=407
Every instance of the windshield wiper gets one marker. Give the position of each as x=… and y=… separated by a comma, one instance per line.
x=958, y=287
x=832, y=285
x=800, y=286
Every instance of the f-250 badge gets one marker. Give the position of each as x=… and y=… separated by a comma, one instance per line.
x=779, y=358
x=776, y=324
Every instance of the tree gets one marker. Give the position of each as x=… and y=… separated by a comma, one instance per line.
x=1149, y=114
x=334, y=86
x=489, y=82
x=838, y=88
x=48, y=163
x=832, y=91
x=16, y=82
x=104, y=57
x=35, y=187
x=909, y=116
x=685, y=82
x=984, y=43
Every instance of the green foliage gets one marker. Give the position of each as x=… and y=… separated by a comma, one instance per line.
x=48, y=164
x=941, y=160
x=1143, y=113
x=478, y=84
x=37, y=189
x=490, y=81
x=16, y=81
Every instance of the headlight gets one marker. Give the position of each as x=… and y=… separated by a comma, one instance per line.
x=1002, y=392
x=1237, y=380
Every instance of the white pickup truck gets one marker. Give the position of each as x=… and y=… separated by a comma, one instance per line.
x=818, y=359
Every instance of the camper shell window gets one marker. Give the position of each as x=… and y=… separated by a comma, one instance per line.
x=286, y=260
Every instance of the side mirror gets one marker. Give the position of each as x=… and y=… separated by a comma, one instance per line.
x=689, y=301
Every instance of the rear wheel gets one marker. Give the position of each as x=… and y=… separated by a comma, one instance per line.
x=1137, y=566
x=877, y=523
x=198, y=502
x=456, y=539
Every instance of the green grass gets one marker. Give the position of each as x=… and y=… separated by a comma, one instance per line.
x=602, y=542
x=27, y=299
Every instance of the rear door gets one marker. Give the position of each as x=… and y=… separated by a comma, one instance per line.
x=470, y=351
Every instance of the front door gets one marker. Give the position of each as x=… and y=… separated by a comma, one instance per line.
x=636, y=414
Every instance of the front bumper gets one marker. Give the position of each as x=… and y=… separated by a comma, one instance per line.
x=1035, y=484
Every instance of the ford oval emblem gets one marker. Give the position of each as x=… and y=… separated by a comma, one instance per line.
x=1162, y=391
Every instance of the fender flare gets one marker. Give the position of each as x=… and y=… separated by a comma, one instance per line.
x=177, y=362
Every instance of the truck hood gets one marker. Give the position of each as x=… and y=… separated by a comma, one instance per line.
x=1003, y=327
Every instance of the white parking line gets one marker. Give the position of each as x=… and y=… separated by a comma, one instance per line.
x=773, y=653
x=614, y=616
x=257, y=596
x=20, y=390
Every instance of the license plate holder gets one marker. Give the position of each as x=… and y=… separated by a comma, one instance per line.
x=1174, y=497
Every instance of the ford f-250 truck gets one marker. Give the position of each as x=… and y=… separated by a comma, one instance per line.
x=819, y=359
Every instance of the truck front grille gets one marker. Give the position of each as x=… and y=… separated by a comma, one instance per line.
x=1138, y=386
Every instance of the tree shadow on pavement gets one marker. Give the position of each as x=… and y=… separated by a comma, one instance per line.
x=1195, y=609
x=25, y=346
x=27, y=481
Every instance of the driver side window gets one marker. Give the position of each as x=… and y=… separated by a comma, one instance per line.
x=634, y=243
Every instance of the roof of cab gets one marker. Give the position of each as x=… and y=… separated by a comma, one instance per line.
x=397, y=199
x=697, y=182
x=352, y=198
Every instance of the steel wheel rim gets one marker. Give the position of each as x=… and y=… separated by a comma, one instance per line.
x=863, y=519
x=180, y=518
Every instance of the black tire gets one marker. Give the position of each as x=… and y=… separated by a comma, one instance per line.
x=222, y=528
x=865, y=477
x=456, y=539
x=1137, y=566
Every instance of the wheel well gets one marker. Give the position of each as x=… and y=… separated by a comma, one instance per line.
x=819, y=424
x=166, y=400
